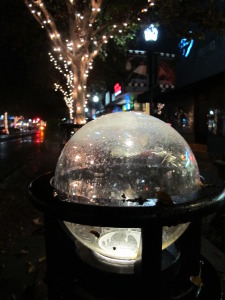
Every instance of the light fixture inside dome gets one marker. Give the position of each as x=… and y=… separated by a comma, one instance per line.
x=125, y=159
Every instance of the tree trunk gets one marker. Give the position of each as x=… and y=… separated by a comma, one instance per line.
x=78, y=104
x=79, y=92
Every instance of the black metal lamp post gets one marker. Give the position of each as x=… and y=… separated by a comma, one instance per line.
x=151, y=35
x=102, y=246
x=149, y=281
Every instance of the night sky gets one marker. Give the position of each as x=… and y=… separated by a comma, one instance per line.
x=27, y=76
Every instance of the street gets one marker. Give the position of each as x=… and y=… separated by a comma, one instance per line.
x=22, y=245
x=17, y=152
x=21, y=231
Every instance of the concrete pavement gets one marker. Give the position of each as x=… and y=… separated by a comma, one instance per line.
x=22, y=250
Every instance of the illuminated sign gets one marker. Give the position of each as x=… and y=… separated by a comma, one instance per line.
x=151, y=33
x=185, y=46
x=126, y=107
x=117, y=89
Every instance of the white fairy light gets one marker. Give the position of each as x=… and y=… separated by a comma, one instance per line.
x=66, y=60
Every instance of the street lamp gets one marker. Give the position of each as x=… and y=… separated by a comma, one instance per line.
x=111, y=232
x=95, y=99
x=151, y=34
x=95, y=105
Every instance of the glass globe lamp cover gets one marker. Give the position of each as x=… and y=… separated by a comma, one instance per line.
x=119, y=157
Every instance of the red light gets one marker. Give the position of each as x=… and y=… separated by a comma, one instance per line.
x=117, y=89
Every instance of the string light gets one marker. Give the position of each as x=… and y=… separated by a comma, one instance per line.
x=72, y=59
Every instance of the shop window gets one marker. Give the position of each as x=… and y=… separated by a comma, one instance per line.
x=216, y=122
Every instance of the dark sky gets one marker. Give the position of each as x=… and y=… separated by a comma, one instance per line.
x=26, y=86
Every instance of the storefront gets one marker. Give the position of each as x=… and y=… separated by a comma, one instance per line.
x=198, y=112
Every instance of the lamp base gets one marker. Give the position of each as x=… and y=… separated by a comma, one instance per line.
x=170, y=261
x=102, y=285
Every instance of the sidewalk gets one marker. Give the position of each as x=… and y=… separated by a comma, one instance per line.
x=213, y=226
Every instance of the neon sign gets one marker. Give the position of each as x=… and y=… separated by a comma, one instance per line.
x=185, y=46
x=117, y=89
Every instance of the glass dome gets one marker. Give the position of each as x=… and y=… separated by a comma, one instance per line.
x=119, y=157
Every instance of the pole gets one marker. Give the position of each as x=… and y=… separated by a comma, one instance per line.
x=151, y=84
